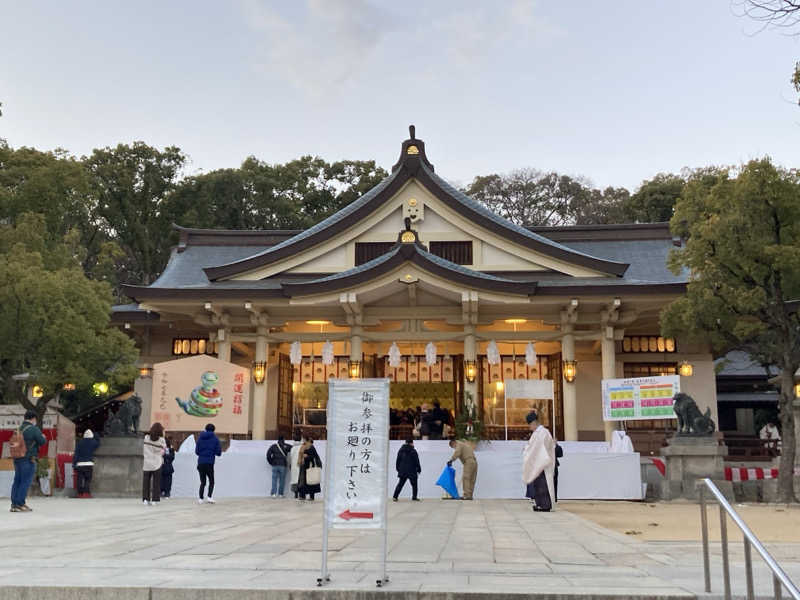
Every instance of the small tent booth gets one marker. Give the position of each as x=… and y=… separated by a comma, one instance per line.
x=418, y=283
x=57, y=429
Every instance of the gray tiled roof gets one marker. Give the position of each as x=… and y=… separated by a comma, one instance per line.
x=647, y=258
x=185, y=269
x=741, y=364
x=341, y=215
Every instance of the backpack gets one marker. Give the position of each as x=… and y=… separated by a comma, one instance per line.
x=17, y=447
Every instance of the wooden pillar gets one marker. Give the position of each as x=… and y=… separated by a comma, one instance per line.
x=260, y=389
x=224, y=345
x=569, y=391
x=609, y=358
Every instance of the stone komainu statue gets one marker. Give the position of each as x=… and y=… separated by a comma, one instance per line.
x=690, y=419
x=126, y=420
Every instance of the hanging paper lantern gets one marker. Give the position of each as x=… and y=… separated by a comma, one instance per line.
x=430, y=354
x=530, y=355
x=394, y=355
x=493, y=353
x=327, y=353
x=295, y=353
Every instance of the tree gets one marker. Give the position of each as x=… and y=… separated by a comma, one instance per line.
x=259, y=195
x=129, y=185
x=783, y=14
x=655, y=199
x=531, y=197
x=743, y=253
x=54, y=321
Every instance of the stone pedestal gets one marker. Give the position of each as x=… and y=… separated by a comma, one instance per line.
x=689, y=458
x=118, y=467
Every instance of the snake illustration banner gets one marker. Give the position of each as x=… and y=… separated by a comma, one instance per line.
x=190, y=392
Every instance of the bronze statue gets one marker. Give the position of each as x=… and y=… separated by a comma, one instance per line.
x=126, y=420
x=690, y=419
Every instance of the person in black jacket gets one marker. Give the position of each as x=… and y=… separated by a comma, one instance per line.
x=167, y=469
x=278, y=457
x=308, y=459
x=408, y=469
x=83, y=462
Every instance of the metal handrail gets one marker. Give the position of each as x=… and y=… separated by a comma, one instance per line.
x=779, y=577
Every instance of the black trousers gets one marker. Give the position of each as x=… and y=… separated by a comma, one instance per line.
x=402, y=482
x=206, y=472
x=555, y=482
x=151, y=485
x=538, y=492
x=84, y=476
x=166, y=485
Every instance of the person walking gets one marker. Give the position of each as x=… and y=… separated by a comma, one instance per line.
x=153, y=452
x=25, y=461
x=408, y=469
x=277, y=456
x=310, y=476
x=207, y=449
x=464, y=452
x=294, y=463
x=83, y=461
x=538, y=465
x=167, y=470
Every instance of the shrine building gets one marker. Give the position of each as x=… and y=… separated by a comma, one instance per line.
x=418, y=282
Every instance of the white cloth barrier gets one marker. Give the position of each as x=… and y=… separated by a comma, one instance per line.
x=243, y=471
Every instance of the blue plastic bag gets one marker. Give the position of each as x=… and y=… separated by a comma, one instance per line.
x=447, y=481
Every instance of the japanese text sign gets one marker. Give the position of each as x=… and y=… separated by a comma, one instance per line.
x=639, y=398
x=357, y=453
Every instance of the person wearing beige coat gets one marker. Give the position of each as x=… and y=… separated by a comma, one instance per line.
x=464, y=452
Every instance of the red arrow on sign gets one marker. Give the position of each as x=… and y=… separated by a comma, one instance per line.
x=347, y=515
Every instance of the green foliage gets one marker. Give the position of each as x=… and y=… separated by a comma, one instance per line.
x=743, y=256
x=130, y=186
x=468, y=425
x=259, y=195
x=796, y=78
x=655, y=199
x=54, y=321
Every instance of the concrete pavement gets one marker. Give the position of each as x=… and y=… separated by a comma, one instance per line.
x=119, y=549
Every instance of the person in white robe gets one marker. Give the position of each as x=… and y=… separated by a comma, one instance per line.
x=538, y=465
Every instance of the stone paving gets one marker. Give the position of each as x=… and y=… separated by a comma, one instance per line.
x=117, y=548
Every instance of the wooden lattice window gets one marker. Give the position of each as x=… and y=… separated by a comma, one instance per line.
x=366, y=251
x=456, y=252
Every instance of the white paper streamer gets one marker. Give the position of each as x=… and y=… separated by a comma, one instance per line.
x=327, y=353
x=493, y=353
x=394, y=355
x=295, y=353
x=430, y=354
x=530, y=355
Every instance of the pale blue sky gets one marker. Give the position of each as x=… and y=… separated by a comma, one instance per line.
x=617, y=91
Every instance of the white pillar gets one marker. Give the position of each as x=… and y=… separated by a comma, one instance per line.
x=570, y=392
x=470, y=353
x=260, y=389
x=224, y=345
x=609, y=357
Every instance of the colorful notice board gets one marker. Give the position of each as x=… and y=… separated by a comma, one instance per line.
x=640, y=398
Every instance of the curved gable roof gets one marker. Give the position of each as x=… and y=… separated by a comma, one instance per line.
x=413, y=164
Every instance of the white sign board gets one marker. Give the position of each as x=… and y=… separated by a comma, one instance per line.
x=357, y=453
x=638, y=398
